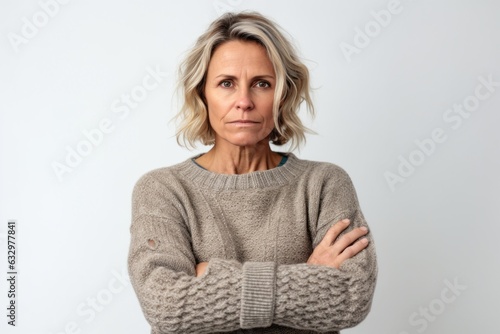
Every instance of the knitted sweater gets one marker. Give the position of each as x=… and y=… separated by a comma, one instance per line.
x=256, y=231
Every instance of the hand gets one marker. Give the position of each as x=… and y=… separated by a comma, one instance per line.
x=332, y=252
x=200, y=268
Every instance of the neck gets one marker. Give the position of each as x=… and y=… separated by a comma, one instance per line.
x=239, y=159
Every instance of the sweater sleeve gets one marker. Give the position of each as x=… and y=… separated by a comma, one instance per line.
x=162, y=266
x=323, y=298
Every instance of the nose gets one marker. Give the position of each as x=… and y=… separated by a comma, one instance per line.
x=244, y=101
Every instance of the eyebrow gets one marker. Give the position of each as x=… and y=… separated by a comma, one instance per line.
x=228, y=76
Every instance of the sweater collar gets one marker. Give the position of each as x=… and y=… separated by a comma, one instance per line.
x=277, y=176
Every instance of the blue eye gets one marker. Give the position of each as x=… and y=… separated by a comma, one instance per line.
x=226, y=84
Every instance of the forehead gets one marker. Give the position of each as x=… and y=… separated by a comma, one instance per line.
x=235, y=56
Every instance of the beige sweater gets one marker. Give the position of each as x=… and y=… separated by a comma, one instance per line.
x=256, y=230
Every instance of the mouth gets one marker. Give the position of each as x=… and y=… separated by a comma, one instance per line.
x=243, y=121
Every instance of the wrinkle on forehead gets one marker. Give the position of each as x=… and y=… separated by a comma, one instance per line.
x=232, y=60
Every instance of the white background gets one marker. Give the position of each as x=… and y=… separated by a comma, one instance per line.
x=436, y=226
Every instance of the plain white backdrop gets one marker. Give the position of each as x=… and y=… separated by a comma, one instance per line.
x=407, y=96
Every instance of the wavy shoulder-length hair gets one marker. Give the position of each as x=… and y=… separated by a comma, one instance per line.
x=292, y=79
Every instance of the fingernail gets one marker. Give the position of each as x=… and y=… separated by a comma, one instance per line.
x=346, y=221
x=363, y=228
x=364, y=241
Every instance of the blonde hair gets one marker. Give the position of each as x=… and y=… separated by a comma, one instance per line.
x=292, y=79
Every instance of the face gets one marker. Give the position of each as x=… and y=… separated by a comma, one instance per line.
x=239, y=92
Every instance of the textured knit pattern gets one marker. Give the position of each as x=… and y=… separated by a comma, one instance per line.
x=256, y=231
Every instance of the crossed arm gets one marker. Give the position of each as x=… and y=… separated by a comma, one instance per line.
x=332, y=251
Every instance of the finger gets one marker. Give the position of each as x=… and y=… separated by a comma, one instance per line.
x=352, y=250
x=200, y=268
x=348, y=239
x=333, y=232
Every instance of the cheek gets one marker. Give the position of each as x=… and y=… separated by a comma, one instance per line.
x=212, y=119
x=217, y=108
x=269, y=111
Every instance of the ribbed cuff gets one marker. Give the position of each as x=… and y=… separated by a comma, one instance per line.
x=258, y=290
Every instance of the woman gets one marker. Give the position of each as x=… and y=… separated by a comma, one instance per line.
x=243, y=237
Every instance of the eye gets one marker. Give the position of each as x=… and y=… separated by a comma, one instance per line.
x=263, y=84
x=226, y=84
